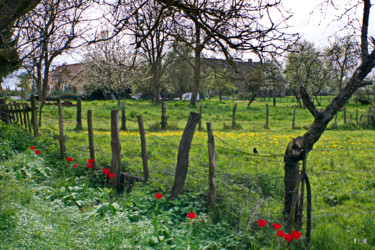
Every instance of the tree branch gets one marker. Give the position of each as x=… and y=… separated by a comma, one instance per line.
x=307, y=101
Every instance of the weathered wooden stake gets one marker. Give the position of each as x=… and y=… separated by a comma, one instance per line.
x=116, y=150
x=91, y=138
x=183, y=155
x=146, y=172
x=163, y=115
x=211, y=170
x=79, y=115
x=234, y=116
x=344, y=109
x=61, y=128
x=266, y=125
x=123, y=117
x=294, y=117
x=369, y=116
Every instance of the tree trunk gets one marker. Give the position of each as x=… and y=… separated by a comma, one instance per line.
x=253, y=95
x=197, y=66
x=297, y=98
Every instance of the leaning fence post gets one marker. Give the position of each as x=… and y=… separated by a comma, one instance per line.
x=183, y=155
x=163, y=114
x=344, y=114
x=369, y=116
x=146, y=172
x=200, y=120
x=61, y=128
x=79, y=114
x=356, y=116
x=266, y=125
x=91, y=138
x=211, y=171
x=234, y=116
x=116, y=150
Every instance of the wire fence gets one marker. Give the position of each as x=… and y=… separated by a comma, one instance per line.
x=248, y=181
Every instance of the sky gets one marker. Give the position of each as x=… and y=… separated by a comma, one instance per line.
x=307, y=20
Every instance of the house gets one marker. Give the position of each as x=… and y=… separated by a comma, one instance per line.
x=68, y=77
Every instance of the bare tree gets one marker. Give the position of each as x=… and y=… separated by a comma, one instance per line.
x=300, y=146
x=112, y=65
x=342, y=56
x=46, y=32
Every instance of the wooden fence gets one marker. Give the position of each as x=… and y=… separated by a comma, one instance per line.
x=16, y=113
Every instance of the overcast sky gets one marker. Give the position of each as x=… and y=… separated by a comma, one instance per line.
x=307, y=20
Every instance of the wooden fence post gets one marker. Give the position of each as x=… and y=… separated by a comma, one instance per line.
x=183, y=155
x=212, y=195
x=294, y=117
x=91, y=138
x=116, y=150
x=146, y=172
x=266, y=125
x=61, y=128
x=163, y=115
x=79, y=115
x=123, y=117
x=12, y=117
x=344, y=109
x=34, y=116
x=234, y=116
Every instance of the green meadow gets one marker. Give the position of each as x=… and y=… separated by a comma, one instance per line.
x=47, y=203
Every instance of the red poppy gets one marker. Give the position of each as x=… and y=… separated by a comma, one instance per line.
x=288, y=237
x=89, y=165
x=75, y=165
x=32, y=147
x=106, y=170
x=191, y=215
x=110, y=175
x=280, y=233
x=37, y=152
x=276, y=226
x=69, y=159
x=262, y=223
x=296, y=235
x=158, y=196
x=91, y=161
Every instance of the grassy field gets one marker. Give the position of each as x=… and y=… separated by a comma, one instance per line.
x=40, y=192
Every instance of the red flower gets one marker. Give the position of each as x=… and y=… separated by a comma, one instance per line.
x=75, y=165
x=288, y=237
x=110, y=175
x=158, y=196
x=37, y=152
x=106, y=170
x=89, y=165
x=262, y=223
x=32, y=147
x=276, y=226
x=296, y=235
x=69, y=159
x=280, y=233
x=191, y=215
x=91, y=161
